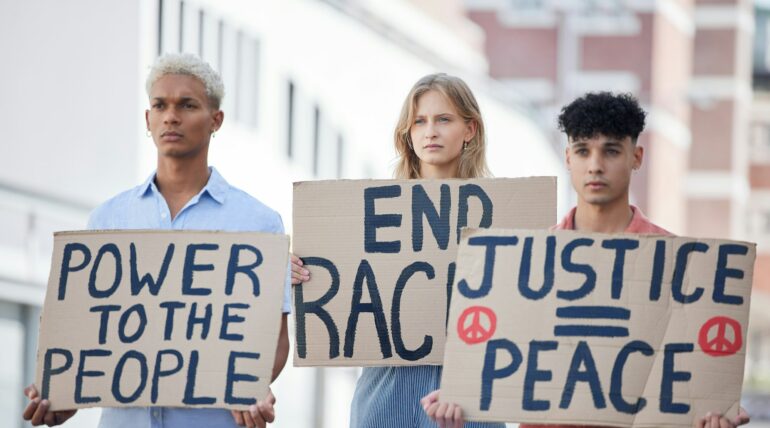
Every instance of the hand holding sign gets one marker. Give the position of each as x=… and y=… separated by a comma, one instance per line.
x=37, y=412
x=298, y=273
x=258, y=415
x=446, y=415
x=717, y=420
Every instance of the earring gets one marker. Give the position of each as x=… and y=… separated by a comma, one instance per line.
x=213, y=134
x=465, y=145
x=147, y=133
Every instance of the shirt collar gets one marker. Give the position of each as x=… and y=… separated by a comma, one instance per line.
x=147, y=186
x=216, y=187
x=642, y=225
x=638, y=224
x=567, y=223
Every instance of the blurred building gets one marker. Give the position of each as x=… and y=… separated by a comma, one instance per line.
x=686, y=61
x=314, y=88
x=758, y=217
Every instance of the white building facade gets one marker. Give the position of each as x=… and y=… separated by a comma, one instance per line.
x=313, y=91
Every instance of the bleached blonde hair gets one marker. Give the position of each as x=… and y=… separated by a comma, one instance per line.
x=190, y=65
x=473, y=161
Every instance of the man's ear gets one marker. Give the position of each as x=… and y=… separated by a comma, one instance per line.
x=638, y=156
x=218, y=117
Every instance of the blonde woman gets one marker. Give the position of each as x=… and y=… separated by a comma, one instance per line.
x=440, y=134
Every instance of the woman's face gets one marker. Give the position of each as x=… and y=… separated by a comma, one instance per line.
x=438, y=133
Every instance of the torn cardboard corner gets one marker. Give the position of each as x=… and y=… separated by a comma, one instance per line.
x=381, y=256
x=592, y=329
x=161, y=318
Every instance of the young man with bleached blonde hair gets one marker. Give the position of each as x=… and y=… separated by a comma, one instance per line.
x=184, y=193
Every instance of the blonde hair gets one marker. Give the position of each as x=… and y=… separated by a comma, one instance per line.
x=190, y=65
x=473, y=162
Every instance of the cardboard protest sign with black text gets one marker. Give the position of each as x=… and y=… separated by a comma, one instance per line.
x=381, y=260
x=150, y=318
x=617, y=330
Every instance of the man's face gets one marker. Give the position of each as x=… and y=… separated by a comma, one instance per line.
x=601, y=167
x=180, y=118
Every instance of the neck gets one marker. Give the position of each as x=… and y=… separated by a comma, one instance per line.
x=181, y=177
x=607, y=218
x=450, y=170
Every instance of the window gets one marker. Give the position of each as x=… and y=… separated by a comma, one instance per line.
x=316, y=137
x=208, y=39
x=340, y=155
x=160, y=27
x=12, y=364
x=247, y=77
x=588, y=6
x=201, y=30
x=761, y=48
x=170, y=25
x=290, y=121
x=189, y=28
x=220, y=43
x=766, y=223
x=229, y=67
x=181, y=26
x=527, y=5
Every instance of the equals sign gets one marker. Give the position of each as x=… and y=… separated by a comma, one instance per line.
x=583, y=313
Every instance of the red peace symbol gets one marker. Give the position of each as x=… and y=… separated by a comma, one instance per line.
x=720, y=345
x=474, y=331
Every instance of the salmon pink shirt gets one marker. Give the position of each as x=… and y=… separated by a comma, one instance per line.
x=639, y=223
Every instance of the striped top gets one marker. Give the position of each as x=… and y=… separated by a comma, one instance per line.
x=390, y=397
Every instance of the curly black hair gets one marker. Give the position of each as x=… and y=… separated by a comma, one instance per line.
x=605, y=113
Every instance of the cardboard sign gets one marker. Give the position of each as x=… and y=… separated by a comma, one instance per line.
x=149, y=318
x=381, y=256
x=616, y=330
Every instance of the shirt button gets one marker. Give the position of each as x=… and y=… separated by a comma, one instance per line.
x=163, y=215
x=156, y=414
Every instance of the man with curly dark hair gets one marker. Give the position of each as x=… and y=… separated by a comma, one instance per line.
x=602, y=130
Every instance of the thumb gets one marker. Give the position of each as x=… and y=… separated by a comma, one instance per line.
x=270, y=398
x=31, y=392
x=430, y=399
x=262, y=411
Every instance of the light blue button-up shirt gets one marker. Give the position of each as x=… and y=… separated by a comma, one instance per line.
x=218, y=206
